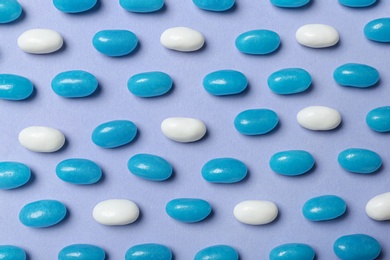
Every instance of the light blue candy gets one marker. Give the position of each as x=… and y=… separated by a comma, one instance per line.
x=291, y=163
x=81, y=252
x=148, y=252
x=150, y=167
x=357, y=246
x=149, y=84
x=289, y=81
x=13, y=175
x=8, y=252
x=114, y=133
x=357, y=3
x=359, y=160
x=292, y=251
x=142, y=6
x=72, y=6
x=188, y=210
x=225, y=82
x=115, y=42
x=78, y=171
x=325, y=207
x=224, y=170
x=258, y=42
x=74, y=84
x=356, y=75
x=378, y=30
x=10, y=10
x=14, y=87
x=256, y=121
x=217, y=252
x=42, y=213
x=378, y=119
x=215, y=6
x=290, y=3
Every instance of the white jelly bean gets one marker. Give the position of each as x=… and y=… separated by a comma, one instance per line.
x=116, y=212
x=317, y=35
x=255, y=212
x=319, y=118
x=182, y=39
x=183, y=129
x=378, y=208
x=40, y=41
x=41, y=139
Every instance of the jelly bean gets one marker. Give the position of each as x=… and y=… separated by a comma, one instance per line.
x=356, y=75
x=81, y=252
x=182, y=39
x=215, y=6
x=224, y=170
x=319, y=118
x=357, y=3
x=357, y=246
x=10, y=10
x=378, y=207
x=359, y=160
x=188, y=210
x=150, y=167
x=217, y=252
x=225, y=82
x=14, y=87
x=70, y=6
x=40, y=41
x=115, y=43
x=141, y=6
x=13, y=175
x=289, y=81
x=41, y=139
x=292, y=251
x=258, y=42
x=256, y=121
x=42, y=213
x=78, y=171
x=74, y=84
x=378, y=119
x=149, y=84
x=324, y=207
x=148, y=251
x=317, y=36
x=183, y=129
x=255, y=212
x=8, y=252
x=115, y=212
x=378, y=30
x=291, y=163
x=290, y=3
x=114, y=133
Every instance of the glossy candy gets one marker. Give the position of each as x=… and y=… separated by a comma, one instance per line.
x=378, y=30
x=290, y=3
x=114, y=133
x=188, y=210
x=258, y=42
x=142, y=6
x=78, y=171
x=357, y=246
x=14, y=87
x=40, y=41
x=182, y=39
x=255, y=212
x=81, y=252
x=149, y=84
x=256, y=121
x=115, y=212
x=225, y=82
x=41, y=139
x=356, y=75
x=378, y=207
x=215, y=6
x=115, y=43
x=289, y=81
x=224, y=170
x=319, y=118
x=292, y=251
x=74, y=84
x=183, y=129
x=291, y=163
x=217, y=252
x=324, y=207
x=317, y=35
x=359, y=160
x=42, y=213
x=72, y=6
x=357, y=3
x=10, y=10
x=378, y=119
x=148, y=251
x=13, y=175
x=150, y=167
x=8, y=252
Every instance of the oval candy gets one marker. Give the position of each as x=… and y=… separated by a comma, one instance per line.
x=256, y=121
x=319, y=118
x=378, y=30
x=78, y=171
x=289, y=81
x=149, y=84
x=217, y=252
x=359, y=160
x=115, y=43
x=324, y=207
x=188, y=210
x=40, y=41
x=115, y=133
x=291, y=163
x=150, y=167
x=317, y=35
x=378, y=119
x=13, y=175
x=141, y=6
x=42, y=213
x=357, y=3
x=71, y=6
x=255, y=212
x=289, y=3
x=225, y=82
x=8, y=252
x=15, y=87
x=258, y=42
x=215, y=6
x=224, y=170
x=356, y=75
x=41, y=139
x=74, y=84
x=183, y=129
x=356, y=246
x=148, y=251
x=378, y=208
x=182, y=39
x=81, y=252
x=115, y=212
x=292, y=251
x=10, y=10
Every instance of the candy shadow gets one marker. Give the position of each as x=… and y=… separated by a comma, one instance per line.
x=161, y=11
x=359, y=9
x=94, y=9
x=298, y=9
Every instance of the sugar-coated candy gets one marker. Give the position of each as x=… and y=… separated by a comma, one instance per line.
x=378, y=30
x=115, y=133
x=290, y=3
x=378, y=119
x=13, y=175
x=42, y=213
x=148, y=251
x=15, y=87
x=41, y=139
x=10, y=10
x=289, y=81
x=182, y=39
x=319, y=118
x=183, y=129
x=357, y=3
x=74, y=84
x=356, y=75
x=325, y=207
x=225, y=82
x=255, y=212
x=141, y=6
x=217, y=252
x=378, y=207
x=292, y=251
x=116, y=212
x=149, y=84
x=292, y=162
x=72, y=6
x=360, y=160
x=258, y=42
x=215, y=6
x=357, y=246
x=150, y=167
x=78, y=171
x=81, y=252
x=317, y=35
x=40, y=41
x=115, y=43
x=224, y=170
x=256, y=121
x=8, y=252
x=188, y=210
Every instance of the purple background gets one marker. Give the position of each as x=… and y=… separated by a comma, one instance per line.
x=78, y=117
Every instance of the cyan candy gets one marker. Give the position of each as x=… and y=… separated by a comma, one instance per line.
x=378, y=30
x=378, y=119
x=289, y=81
x=359, y=160
x=256, y=121
x=78, y=171
x=150, y=167
x=115, y=43
x=224, y=170
x=10, y=10
x=114, y=133
x=215, y=6
x=356, y=75
x=258, y=42
x=13, y=175
x=357, y=246
x=81, y=252
x=357, y=3
x=291, y=163
x=217, y=252
x=42, y=213
x=290, y=3
x=149, y=84
x=325, y=207
x=74, y=84
x=8, y=252
x=141, y=6
x=188, y=210
x=148, y=251
x=292, y=251
x=225, y=82
x=71, y=6
x=14, y=87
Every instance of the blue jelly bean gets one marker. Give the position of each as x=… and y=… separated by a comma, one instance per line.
x=149, y=84
x=114, y=133
x=356, y=75
x=256, y=121
x=13, y=175
x=357, y=246
x=378, y=119
x=292, y=251
x=14, y=87
x=78, y=171
x=359, y=160
x=188, y=210
x=42, y=213
x=258, y=42
x=115, y=42
x=81, y=252
x=71, y=6
x=225, y=82
x=142, y=6
x=289, y=3
x=291, y=163
x=74, y=84
x=378, y=30
x=10, y=10
x=148, y=251
x=8, y=252
x=289, y=81
x=217, y=252
x=224, y=170
x=215, y=6
x=357, y=3
x=325, y=207
x=150, y=167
